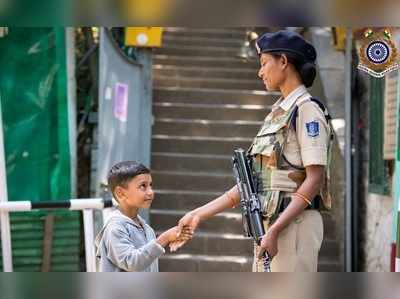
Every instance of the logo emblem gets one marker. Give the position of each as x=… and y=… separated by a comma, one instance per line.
x=378, y=53
x=312, y=129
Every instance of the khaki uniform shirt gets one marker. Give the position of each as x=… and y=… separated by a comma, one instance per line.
x=308, y=145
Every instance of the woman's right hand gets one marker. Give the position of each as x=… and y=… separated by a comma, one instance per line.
x=193, y=218
x=190, y=220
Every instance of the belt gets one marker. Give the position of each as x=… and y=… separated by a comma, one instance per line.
x=315, y=203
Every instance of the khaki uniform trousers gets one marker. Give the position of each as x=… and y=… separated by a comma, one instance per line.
x=298, y=245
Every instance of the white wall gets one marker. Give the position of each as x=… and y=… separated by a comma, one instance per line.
x=378, y=232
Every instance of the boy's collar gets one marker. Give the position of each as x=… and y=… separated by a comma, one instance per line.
x=140, y=219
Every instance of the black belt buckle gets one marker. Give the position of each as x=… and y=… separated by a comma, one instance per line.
x=315, y=204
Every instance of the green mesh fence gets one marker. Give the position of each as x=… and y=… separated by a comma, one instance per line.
x=33, y=90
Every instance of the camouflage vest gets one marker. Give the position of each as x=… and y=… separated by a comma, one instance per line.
x=275, y=176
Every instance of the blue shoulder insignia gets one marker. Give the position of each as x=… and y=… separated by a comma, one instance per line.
x=312, y=129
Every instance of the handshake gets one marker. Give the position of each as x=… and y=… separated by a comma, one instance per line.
x=179, y=235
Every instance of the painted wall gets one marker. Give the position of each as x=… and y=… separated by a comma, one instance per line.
x=378, y=232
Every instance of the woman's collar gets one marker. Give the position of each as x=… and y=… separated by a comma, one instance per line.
x=288, y=102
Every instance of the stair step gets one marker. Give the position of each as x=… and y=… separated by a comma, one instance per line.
x=204, y=263
x=221, y=33
x=329, y=249
x=330, y=266
x=198, y=145
x=202, y=127
x=191, y=162
x=204, y=61
x=175, y=39
x=192, y=181
x=205, y=82
x=216, y=244
x=178, y=72
x=210, y=111
x=198, y=263
x=213, y=96
x=329, y=225
x=182, y=200
x=224, y=223
x=204, y=50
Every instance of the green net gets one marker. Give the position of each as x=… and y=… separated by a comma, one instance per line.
x=35, y=114
x=33, y=90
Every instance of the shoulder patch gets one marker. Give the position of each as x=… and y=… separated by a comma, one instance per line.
x=312, y=128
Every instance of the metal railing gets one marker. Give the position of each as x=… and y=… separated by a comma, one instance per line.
x=85, y=205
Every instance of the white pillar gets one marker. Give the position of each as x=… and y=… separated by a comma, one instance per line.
x=89, y=240
x=5, y=219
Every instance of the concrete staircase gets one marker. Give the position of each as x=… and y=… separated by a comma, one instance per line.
x=206, y=102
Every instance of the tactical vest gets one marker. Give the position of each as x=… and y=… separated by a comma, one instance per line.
x=275, y=176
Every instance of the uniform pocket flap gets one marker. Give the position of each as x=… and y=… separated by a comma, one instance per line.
x=271, y=129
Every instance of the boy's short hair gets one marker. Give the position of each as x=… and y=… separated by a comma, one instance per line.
x=121, y=173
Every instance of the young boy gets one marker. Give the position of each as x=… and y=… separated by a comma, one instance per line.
x=127, y=242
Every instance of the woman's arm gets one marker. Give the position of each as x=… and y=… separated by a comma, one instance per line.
x=193, y=218
x=309, y=188
x=228, y=200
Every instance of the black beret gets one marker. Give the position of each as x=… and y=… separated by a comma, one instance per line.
x=286, y=41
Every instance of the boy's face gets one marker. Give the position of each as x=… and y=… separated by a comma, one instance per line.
x=138, y=192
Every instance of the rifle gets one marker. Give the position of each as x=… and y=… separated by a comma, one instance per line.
x=249, y=201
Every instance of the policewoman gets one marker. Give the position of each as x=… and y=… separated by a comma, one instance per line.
x=290, y=155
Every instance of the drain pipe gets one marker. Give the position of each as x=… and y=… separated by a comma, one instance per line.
x=348, y=153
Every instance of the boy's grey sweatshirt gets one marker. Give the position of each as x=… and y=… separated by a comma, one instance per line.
x=123, y=245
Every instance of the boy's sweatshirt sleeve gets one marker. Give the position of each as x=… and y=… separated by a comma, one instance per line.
x=123, y=253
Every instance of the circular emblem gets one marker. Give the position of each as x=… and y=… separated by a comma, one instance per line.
x=378, y=52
